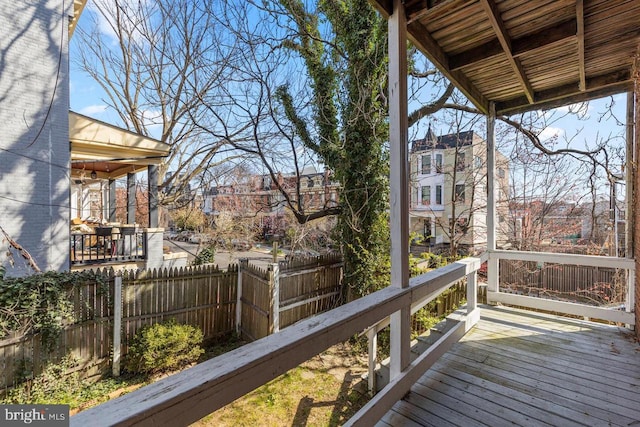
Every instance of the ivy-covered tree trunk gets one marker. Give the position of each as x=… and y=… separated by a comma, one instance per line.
x=347, y=70
x=364, y=173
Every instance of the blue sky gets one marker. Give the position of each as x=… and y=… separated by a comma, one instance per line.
x=87, y=98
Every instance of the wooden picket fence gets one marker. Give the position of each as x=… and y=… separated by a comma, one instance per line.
x=287, y=292
x=202, y=296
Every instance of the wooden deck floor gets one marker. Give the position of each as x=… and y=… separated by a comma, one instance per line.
x=524, y=368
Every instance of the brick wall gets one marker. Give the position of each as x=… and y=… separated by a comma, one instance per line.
x=34, y=136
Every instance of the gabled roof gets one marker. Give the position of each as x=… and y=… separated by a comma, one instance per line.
x=452, y=140
x=527, y=54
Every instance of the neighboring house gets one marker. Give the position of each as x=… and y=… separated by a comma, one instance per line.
x=245, y=196
x=536, y=224
x=449, y=190
x=317, y=188
x=49, y=157
x=257, y=197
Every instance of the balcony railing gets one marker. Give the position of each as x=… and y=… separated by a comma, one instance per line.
x=187, y=396
x=611, y=299
x=191, y=394
x=108, y=244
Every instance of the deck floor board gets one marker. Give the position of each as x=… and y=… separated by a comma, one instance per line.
x=561, y=375
x=566, y=353
x=530, y=369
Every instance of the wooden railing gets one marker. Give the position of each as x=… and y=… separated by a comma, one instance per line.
x=187, y=396
x=621, y=312
x=125, y=245
x=444, y=307
x=400, y=385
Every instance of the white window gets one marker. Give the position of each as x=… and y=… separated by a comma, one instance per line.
x=426, y=164
x=477, y=161
x=459, y=193
x=460, y=161
x=426, y=195
x=438, y=163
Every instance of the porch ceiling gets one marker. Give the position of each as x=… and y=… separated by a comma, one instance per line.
x=108, y=150
x=78, y=6
x=527, y=54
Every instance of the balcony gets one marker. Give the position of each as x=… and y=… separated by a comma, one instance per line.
x=428, y=207
x=108, y=245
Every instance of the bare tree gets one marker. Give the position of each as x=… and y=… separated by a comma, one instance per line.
x=155, y=61
x=545, y=200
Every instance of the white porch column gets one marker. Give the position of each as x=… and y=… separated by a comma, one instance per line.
x=492, y=266
x=399, y=180
x=152, y=189
x=131, y=198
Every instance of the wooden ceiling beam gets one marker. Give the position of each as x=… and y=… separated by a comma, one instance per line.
x=385, y=7
x=421, y=38
x=580, y=22
x=520, y=46
x=596, y=87
x=417, y=9
x=505, y=41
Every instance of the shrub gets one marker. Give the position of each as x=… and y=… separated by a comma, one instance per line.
x=164, y=347
x=435, y=261
x=56, y=384
x=205, y=256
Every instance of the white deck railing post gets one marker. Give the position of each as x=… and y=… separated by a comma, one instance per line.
x=372, y=347
x=493, y=273
x=472, y=291
x=630, y=295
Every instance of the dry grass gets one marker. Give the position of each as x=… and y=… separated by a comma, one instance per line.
x=324, y=391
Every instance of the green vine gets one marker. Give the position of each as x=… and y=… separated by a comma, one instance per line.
x=41, y=304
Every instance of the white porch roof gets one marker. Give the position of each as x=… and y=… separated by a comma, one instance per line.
x=110, y=151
